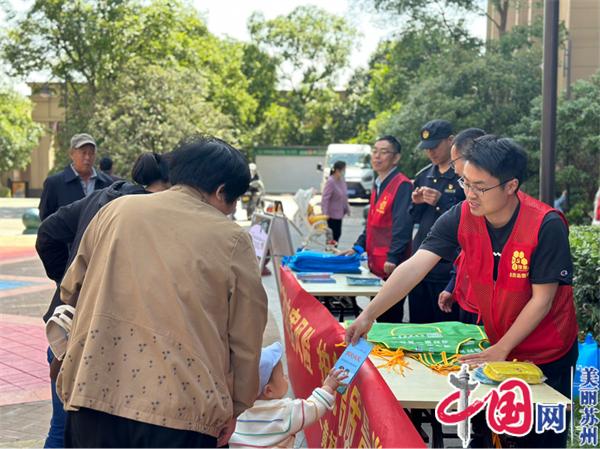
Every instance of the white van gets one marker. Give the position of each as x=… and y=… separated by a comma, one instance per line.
x=359, y=173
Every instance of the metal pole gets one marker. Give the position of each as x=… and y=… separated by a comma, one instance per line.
x=548, y=141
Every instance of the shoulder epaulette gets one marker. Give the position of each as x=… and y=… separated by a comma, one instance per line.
x=424, y=169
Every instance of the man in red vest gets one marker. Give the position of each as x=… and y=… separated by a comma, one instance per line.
x=467, y=313
x=519, y=268
x=388, y=232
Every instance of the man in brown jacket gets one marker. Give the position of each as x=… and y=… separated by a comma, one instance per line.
x=165, y=344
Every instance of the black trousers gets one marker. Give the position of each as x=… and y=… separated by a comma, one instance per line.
x=558, y=374
x=336, y=228
x=91, y=428
x=423, y=302
x=467, y=317
x=394, y=314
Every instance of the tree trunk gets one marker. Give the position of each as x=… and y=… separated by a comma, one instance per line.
x=501, y=7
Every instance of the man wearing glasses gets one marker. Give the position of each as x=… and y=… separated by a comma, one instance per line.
x=388, y=232
x=467, y=313
x=518, y=261
x=436, y=190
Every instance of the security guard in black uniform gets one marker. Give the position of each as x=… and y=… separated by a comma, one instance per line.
x=435, y=191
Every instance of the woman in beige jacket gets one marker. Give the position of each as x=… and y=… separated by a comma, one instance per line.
x=166, y=340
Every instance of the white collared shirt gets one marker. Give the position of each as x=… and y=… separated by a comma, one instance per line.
x=379, y=181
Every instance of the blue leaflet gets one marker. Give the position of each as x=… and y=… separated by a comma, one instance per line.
x=352, y=359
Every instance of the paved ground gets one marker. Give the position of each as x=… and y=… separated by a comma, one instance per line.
x=25, y=292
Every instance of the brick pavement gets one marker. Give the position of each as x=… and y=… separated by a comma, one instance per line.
x=25, y=292
x=23, y=365
x=25, y=405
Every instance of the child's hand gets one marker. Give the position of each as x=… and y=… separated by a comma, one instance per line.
x=334, y=379
x=226, y=432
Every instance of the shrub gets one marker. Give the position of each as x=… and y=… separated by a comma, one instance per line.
x=585, y=248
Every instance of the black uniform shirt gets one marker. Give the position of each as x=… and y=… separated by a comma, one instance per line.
x=426, y=215
x=550, y=262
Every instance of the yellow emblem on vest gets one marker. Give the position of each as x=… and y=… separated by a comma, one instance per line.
x=382, y=205
x=519, y=265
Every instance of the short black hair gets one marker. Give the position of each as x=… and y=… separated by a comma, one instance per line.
x=501, y=157
x=105, y=163
x=149, y=168
x=206, y=162
x=393, y=141
x=465, y=138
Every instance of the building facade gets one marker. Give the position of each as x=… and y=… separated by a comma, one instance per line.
x=580, y=57
x=47, y=110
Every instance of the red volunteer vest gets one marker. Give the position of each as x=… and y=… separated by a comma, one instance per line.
x=379, y=225
x=460, y=287
x=501, y=302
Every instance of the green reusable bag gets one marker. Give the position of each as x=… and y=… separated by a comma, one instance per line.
x=437, y=345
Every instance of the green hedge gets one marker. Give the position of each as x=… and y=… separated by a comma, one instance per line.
x=585, y=248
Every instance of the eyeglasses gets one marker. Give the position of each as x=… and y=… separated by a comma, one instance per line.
x=452, y=162
x=381, y=152
x=477, y=190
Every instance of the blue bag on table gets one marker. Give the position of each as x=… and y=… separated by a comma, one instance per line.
x=307, y=261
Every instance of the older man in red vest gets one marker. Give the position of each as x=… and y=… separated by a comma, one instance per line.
x=515, y=252
x=388, y=233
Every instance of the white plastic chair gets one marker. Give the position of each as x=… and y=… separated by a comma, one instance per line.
x=312, y=228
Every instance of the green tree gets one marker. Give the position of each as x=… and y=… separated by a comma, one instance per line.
x=279, y=126
x=261, y=71
x=19, y=134
x=490, y=90
x=87, y=43
x=152, y=108
x=81, y=42
x=423, y=10
x=577, y=146
x=310, y=47
x=416, y=53
x=352, y=112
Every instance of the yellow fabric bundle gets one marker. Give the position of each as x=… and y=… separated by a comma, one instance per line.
x=499, y=371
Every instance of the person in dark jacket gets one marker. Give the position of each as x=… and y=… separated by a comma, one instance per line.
x=76, y=181
x=106, y=167
x=436, y=190
x=60, y=234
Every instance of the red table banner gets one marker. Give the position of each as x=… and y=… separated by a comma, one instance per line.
x=368, y=414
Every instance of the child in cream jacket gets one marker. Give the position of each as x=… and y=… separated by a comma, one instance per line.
x=274, y=420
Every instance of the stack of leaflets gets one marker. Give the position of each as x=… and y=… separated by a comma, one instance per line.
x=316, y=277
x=363, y=281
